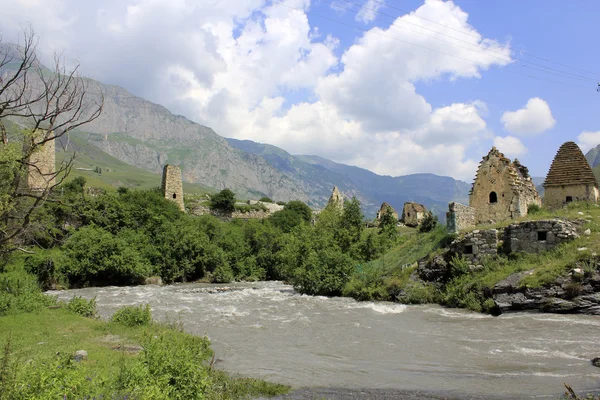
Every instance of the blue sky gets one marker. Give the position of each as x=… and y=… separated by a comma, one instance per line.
x=361, y=94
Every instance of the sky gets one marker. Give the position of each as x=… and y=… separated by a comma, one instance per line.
x=394, y=86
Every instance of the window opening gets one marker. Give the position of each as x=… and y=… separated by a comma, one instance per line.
x=469, y=249
x=174, y=195
x=569, y=199
x=542, y=235
x=493, y=197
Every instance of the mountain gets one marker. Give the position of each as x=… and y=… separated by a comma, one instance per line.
x=371, y=189
x=147, y=136
x=593, y=156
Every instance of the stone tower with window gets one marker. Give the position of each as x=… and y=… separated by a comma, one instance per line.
x=570, y=178
x=502, y=189
x=41, y=174
x=172, y=186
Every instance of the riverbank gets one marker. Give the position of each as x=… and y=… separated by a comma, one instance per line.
x=54, y=353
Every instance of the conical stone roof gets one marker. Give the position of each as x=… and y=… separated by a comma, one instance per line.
x=570, y=167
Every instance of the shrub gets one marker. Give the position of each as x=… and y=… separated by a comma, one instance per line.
x=533, y=209
x=429, y=222
x=83, y=307
x=20, y=292
x=223, y=201
x=133, y=315
x=299, y=208
x=458, y=266
x=222, y=274
x=265, y=199
x=418, y=293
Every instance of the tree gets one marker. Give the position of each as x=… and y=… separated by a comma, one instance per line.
x=351, y=225
x=299, y=208
x=37, y=106
x=223, y=201
x=429, y=222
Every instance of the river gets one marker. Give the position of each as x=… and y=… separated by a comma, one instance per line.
x=266, y=330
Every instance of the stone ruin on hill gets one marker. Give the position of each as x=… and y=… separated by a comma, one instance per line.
x=172, y=185
x=336, y=199
x=383, y=209
x=42, y=163
x=502, y=190
x=528, y=237
x=413, y=214
x=570, y=178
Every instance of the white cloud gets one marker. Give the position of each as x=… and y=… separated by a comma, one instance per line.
x=510, y=146
x=535, y=118
x=368, y=12
x=588, y=140
x=232, y=65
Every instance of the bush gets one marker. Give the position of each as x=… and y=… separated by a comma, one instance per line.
x=533, y=209
x=429, y=222
x=299, y=208
x=20, y=292
x=265, y=199
x=223, y=201
x=46, y=265
x=133, y=315
x=83, y=307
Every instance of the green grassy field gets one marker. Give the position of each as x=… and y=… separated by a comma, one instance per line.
x=36, y=344
x=115, y=173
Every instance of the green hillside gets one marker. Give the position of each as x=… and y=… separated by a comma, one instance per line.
x=114, y=173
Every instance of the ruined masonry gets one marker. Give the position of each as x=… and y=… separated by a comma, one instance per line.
x=41, y=174
x=570, y=178
x=172, y=185
x=383, y=209
x=336, y=199
x=502, y=189
x=459, y=217
x=413, y=214
x=536, y=236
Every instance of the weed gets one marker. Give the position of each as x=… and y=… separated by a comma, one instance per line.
x=133, y=315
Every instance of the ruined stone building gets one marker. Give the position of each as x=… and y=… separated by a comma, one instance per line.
x=172, y=185
x=383, y=209
x=42, y=168
x=336, y=199
x=459, y=217
x=570, y=178
x=502, y=189
x=413, y=213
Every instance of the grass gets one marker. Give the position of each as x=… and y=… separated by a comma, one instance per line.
x=44, y=334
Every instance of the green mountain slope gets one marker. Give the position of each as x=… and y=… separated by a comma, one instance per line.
x=113, y=172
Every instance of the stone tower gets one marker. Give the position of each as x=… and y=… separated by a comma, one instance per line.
x=42, y=168
x=570, y=178
x=383, y=209
x=336, y=199
x=172, y=185
x=502, y=189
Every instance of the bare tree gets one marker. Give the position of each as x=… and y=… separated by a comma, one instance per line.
x=37, y=106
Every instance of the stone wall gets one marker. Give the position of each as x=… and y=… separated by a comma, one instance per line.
x=43, y=164
x=172, y=185
x=271, y=207
x=556, y=196
x=413, y=214
x=536, y=236
x=459, y=217
x=502, y=189
x=476, y=244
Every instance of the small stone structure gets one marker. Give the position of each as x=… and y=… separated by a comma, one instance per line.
x=336, y=199
x=42, y=168
x=570, y=178
x=172, y=185
x=476, y=244
x=413, y=214
x=536, y=236
x=271, y=207
x=383, y=209
x=502, y=189
x=459, y=217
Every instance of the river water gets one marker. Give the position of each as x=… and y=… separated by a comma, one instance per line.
x=266, y=330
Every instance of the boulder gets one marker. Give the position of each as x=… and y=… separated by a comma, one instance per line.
x=587, y=232
x=596, y=362
x=80, y=355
